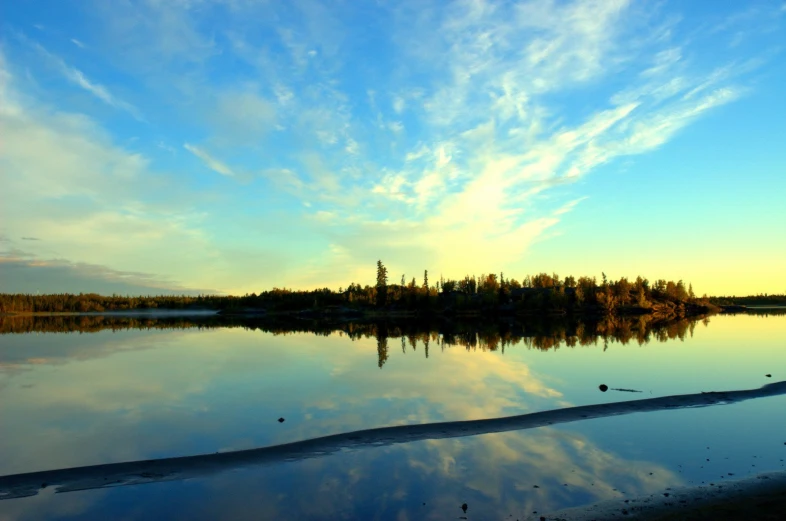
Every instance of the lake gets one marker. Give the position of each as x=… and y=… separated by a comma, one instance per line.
x=81, y=391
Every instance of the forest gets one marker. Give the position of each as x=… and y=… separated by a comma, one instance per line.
x=750, y=300
x=490, y=293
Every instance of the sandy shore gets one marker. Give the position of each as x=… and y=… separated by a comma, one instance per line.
x=168, y=469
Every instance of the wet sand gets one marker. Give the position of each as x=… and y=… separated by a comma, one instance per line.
x=168, y=469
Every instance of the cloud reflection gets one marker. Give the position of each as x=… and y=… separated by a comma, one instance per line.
x=202, y=391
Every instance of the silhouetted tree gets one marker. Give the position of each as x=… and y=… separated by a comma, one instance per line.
x=680, y=292
x=671, y=289
x=382, y=284
x=542, y=292
x=623, y=291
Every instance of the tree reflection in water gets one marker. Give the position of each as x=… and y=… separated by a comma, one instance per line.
x=541, y=333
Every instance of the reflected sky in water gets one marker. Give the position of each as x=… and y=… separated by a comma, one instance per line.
x=70, y=399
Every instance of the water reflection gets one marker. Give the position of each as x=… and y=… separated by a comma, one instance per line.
x=167, y=469
x=170, y=390
x=542, y=333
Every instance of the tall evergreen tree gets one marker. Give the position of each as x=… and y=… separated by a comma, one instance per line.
x=382, y=284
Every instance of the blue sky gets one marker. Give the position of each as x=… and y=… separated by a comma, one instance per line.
x=205, y=145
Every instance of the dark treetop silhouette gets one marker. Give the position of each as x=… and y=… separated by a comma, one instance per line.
x=487, y=294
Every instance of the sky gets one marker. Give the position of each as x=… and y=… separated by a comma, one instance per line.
x=232, y=146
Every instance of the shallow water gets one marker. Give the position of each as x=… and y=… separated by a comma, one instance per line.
x=71, y=399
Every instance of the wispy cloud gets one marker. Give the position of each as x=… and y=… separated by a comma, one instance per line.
x=79, y=79
x=241, y=116
x=92, y=201
x=210, y=161
x=77, y=43
x=165, y=147
x=351, y=147
x=466, y=127
x=490, y=143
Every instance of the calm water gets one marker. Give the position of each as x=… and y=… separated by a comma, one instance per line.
x=76, y=399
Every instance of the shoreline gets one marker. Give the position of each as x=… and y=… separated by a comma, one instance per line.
x=199, y=465
x=346, y=313
x=117, y=313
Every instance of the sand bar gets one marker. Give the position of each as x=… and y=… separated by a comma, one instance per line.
x=167, y=469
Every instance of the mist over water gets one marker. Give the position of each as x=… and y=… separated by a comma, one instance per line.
x=78, y=391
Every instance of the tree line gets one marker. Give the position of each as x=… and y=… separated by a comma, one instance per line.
x=762, y=299
x=93, y=302
x=538, y=293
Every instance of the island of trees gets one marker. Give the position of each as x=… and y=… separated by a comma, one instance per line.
x=487, y=294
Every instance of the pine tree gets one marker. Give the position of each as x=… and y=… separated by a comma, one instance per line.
x=382, y=284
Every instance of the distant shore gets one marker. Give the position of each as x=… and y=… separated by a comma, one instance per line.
x=347, y=313
x=333, y=313
x=486, y=296
x=155, y=313
x=351, y=312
